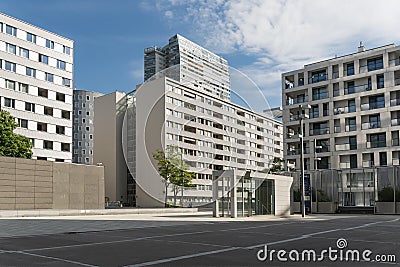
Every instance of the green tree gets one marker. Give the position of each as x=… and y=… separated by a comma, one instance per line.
x=11, y=144
x=174, y=171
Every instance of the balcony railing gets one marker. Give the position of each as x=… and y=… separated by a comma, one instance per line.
x=363, y=68
x=395, y=122
x=357, y=89
x=394, y=62
x=375, y=144
x=395, y=142
x=324, y=148
x=293, y=101
x=320, y=96
x=370, y=125
x=342, y=147
x=351, y=127
x=368, y=163
x=337, y=129
x=294, y=117
x=343, y=110
x=373, y=105
x=297, y=151
x=395, y=102
x=318, y=78
x=396, y=81
x=348, y=72
x=335, y=75
x=395, y=161
x=319, y=131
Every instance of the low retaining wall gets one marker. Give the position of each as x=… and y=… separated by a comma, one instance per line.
x=27, y=184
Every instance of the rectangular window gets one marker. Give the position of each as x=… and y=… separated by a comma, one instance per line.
x=375, y=64
x=31, y=37
x=350, y=69
x=353, y=142
x=24, y=52
x=43, y=92
x=11, y=30
x=44, y=59
x=382, y=159
x=353, y=161
x=67, y=50
x=23, y=123
x=65, y=114
x=49, y=44
x=350, y=88
x=29, y=107
x=380, y=81
x=320, y=93
x=10, y=85
x=41, y=127
x=24, y=88
x=10, y=66
x=60, y=97
x=61, y=64
x=11, y=49
x=47, y=144
x=48, y=111
x=8, y=102
x=377, y=140
x=66, y=82
x=30, y=72
x=60, y=129
x=49, y=77
x=65, y=147
x=352, y=105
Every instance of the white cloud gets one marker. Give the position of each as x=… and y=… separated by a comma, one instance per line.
x=169, y=14
x=284, y=34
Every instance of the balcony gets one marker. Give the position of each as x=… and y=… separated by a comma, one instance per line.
x=348, y=72
x=335, y=75
x=376, y=144
x=394, y=62
x=344, y=165
x=373, y=105
x=351, y=128
x=318, y=77
x=370, y=125
x=395, y=142
x=338, y=129
x=293, y=152
x=319, y=131
x=397, y=82
x=344, y=110
x=395, y=161
x=294, y=117
x=342, y=147
x=319, y=96
x=395, y=102
x=368, y=163
x=299, y=100
x=357, y=89
x=395, y=122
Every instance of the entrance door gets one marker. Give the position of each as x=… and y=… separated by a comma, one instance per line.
x=265, y=198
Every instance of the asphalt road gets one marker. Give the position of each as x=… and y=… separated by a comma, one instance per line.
x=213, y=243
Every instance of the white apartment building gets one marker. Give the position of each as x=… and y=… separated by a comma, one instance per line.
x=189, y=63
x=36, y=80
x=212, y=134
x=354, y=110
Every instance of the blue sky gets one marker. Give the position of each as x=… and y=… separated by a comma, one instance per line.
x=260, y=38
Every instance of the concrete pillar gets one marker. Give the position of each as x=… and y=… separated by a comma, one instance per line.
x=233, y=190
x=215, y=197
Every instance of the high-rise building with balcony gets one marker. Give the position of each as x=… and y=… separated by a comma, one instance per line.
x=36, y=80
x=354, y=111
x=83, y=116
x=189, y=63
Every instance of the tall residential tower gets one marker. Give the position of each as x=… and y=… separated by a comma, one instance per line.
x=194, y=65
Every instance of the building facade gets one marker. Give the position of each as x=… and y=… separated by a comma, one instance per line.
x=194, y=65
x=353, y=121
x=36, y=81
x=83, y=116
x=211, y=134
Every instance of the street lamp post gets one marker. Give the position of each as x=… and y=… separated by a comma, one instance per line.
x=302, y=116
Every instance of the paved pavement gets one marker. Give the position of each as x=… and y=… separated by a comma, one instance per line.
x=194, y=240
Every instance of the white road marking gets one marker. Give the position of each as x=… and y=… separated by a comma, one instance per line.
x=254, y=246
x=55, y=258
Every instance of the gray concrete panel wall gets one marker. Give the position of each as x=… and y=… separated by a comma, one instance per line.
x=34, y=184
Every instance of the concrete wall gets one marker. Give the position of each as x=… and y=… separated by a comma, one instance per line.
x=150, y=118
x=108, y=118
x=35, y=184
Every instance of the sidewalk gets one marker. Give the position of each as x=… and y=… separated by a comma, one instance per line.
x=50, y=212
